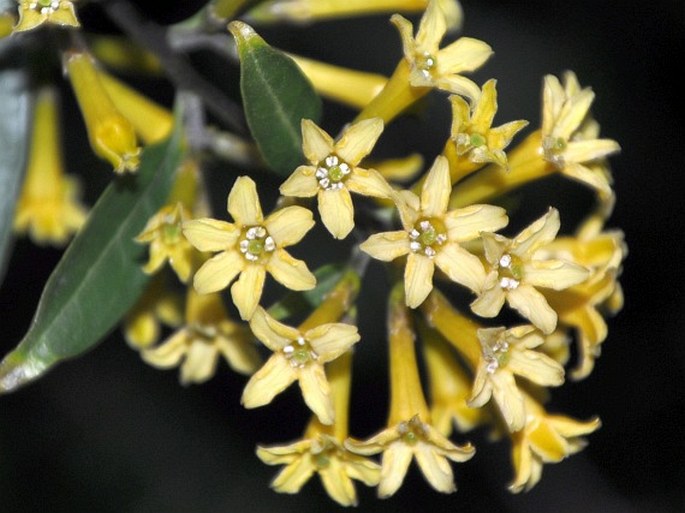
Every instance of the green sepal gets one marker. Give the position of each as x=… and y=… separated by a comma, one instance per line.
x=276, y=97
x=99, y=276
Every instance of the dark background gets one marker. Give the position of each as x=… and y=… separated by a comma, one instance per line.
x=107, y=433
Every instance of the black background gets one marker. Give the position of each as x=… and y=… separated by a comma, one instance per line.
x=106, y=433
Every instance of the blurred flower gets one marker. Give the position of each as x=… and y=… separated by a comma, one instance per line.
x=34, y=13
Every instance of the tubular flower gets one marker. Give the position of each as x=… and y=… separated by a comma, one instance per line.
x=111, y=135
x=409, y=433
x=207, y=334
x=250, y=246
x=321, y=449
x=431, y=66
x=508, y=353
x=164, y=234
x=48, y=207
x=544, y=439
x=333, y=172
x=516, y=269
x=34, y=13
x=297, y=356
x=432, y=236
x=475, y=139
x=570, y=137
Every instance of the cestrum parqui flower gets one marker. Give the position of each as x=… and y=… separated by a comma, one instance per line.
x=431, y=66
x=432, y=236
x=297, y=356
x=333, y=172
x=516, y=270
x=34, y=13
x=250, y=246
x=506, y=353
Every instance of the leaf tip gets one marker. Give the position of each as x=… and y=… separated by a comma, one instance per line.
x=244, y=35
x=14, y=375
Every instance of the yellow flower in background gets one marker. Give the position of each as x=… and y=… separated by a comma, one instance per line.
x=432, y=236
x=431, y=66
x=34, y=13
x=164, y=233
x=545, y=438
x=507, y=353
x=48, y=208
x=472, y=132
x=297, y=356
x=111, y=135
x=516, y=269
x=206, y=335
x=250, y=247
x=333, y=172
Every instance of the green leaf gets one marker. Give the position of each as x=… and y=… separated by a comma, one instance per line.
x=14, y=134
x=276, y=97
x=99, y=276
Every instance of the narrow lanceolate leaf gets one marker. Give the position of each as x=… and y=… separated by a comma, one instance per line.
x=14, y=134
x=99, y=276
x=276, y=96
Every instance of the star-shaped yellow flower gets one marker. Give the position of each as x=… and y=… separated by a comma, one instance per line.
x=250, y=246
x=432, y=236
x=297, y=356
x=506, y=353
x=34, y=13
x=333, y=172
x=516, y=270
x=435, y=67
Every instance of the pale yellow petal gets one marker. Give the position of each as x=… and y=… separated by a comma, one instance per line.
x=465, y=54
x=553, y=97
x=217, y=272
x=200, y=363
x=294, y=476
x=377, y=443
x=587, y=151
x=210, y=234
x=288, y=225
x=275, y=376
x=533, y=306
x=369, y=182
x=594, y=177
x=363, y=469
x=418, y=279
x=283, y=454
x=317, y=392
x=536, y=367
x=432, y=28
x=331, y=340
x=461, y=266
x=457, y=84
x=394, y=466
x=485, y=109
x=337, y=211
x=316, y=144
x=435, y=468
x=301, y=184
x=568, y=427
x=494, y=246
x=508, y=399
x=386, y=246
x=406, y=31
x=572, y=114
x=464, y=224
x=489, y=302
x=436, y=190
x=243, y=202
x=358, y=140
x=554, y=274
x=247, y=291
x=169, y=353
x=240, y=354
x=270, y=332
x=338, y=484
x=537, y=234
x=290, y=272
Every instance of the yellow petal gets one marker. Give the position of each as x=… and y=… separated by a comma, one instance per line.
x=200, y=363
x=536, y=367
x=294, y=476
x=217, y=272
x=169, y=353
x=554, y=274
x=338, y=484
x=509, y=399
x=436, y=469
x=301, y=184
x=247, y=291
x=316, y=144
x=243, y=202
x=290, y=272
x=369, y=182
x=465, y=54
x=461, y=266
x=337, y=211
x=406, y=31
x=418, y=279
x=485, y=109
x=432, y=28
x=466, y=224
x=331, y=340
x=317, y=392
x=386, y=246
x=435, y=193
x=275, y=376
x=489, y=303
x=269, y=331
x=240, y=354
x=457, y=84
x=358, y=140
x=288, y=225
x=394, y=466
x=210, y=234
x=586, y=151
x=540, y=232
x=533, y=306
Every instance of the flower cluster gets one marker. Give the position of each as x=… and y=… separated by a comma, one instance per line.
x=443, y=236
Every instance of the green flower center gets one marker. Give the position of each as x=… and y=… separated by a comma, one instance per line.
x=256, y=244
x=171, y=233
x=496, y=354
x=425, y=63
x=477, y=140
x=300, y=353
x=412, y=431
x=510, y=270
x=332, y=173
x=427, y=236
x=553, y=148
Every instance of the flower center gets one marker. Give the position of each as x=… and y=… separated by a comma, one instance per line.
x=256, y=243
x=425, y=63
x=323, y=451
x=510, y=271
x=45, y=6
x=171, y=231
x=332, y=172
x=496, y=354
x=300, y=353
x=427, y=236
x=412, y=431
x=553, y=147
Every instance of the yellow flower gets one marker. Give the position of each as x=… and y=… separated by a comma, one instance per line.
x=570, y=137
x=507, y=353
x=409, y=433
x=431, y=66
x=321, y=449
x=297, y=356
x=250, y=246
x=48, y=207
x=157, y=303
x=207, y=334
x=111, y=135
x=475, y=139
x=34, y=13
x=164, y=234
x=432, y=236
x=516, y=269
x=544, y=439
x=333, y=172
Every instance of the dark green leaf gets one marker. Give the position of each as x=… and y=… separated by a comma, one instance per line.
x=99, y=276
x=14, y=134
x=276, y=96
